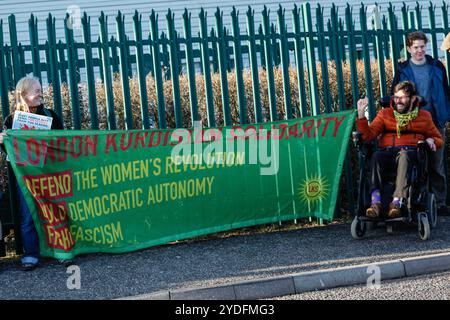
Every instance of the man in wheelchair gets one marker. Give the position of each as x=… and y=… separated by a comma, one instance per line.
x=398, y=130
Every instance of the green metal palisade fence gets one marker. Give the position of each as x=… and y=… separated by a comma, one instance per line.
x=305, y=46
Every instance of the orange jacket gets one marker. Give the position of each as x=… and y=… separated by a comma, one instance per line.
x=385, y=125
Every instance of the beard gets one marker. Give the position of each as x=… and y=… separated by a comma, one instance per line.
x=402, y=108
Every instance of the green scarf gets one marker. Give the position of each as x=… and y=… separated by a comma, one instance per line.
x=404, y=119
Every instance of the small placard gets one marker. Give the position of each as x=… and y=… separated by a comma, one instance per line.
x=30, y=121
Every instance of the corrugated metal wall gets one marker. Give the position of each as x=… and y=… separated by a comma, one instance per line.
x=22, y=9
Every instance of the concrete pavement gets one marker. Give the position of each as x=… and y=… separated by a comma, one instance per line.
x=309, y=281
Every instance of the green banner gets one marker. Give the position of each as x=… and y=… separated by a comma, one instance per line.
x=118, y=191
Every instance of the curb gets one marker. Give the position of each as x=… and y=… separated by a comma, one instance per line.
x=308, y=281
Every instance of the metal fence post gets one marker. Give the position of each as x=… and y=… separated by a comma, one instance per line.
x=284, y=53
x=113, y=44
x=406, y=29
x=352, y=54
x=164, y=55
x=62, y=62
x=173, y=52
x=238, y=68
x=89, y=63
x=432, y=18
x=393, y=32
x=418, y=16
x=311, y=60
x=106, y=67
x=162, y=124
x=214, y=51
x=15, y=49
x=299, y=63
x=3, y=77
x=367, y=66
x=254, y=64
x=261, y=46
x=100, y=60
x=269, y=66
x=380, y=54
x=321, y=50
x=34, y=47
x=190, y=67
x=72, y=58
x=124, y=70
x=53, y=62
x=137, y=23
x=338, y=62
x=221, y=42
x=206, y=69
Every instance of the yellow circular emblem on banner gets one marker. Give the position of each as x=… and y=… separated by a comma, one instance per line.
x=313, y=189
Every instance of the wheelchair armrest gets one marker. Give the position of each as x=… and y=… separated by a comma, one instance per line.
x=423, y=145
x=423, y=154
x=423, y=151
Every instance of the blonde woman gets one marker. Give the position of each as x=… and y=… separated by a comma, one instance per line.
x=29, y=99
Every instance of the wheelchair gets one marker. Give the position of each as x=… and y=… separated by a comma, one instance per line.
x=420, y=209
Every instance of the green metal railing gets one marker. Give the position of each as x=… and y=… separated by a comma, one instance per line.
x=303, y=46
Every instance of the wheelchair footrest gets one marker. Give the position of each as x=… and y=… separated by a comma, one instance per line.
x=384, y=219
x=367, y=219
x=401, y=219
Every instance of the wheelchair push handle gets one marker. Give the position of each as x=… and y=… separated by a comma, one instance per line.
x=357, y=138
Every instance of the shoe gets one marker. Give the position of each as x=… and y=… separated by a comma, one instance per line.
x=29, y=266
x=443, y=211
x=66, y=262
x=394, y=210
x=374, y=210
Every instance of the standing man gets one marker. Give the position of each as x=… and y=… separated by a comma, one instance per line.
x=431, y=82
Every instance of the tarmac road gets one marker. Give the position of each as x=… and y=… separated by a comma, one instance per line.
x=215, y=262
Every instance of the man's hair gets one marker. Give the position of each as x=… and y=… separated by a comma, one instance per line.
x=407, y=86
x=416, y=35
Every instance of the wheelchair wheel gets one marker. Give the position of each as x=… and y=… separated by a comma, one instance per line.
x=358, y=228
x=424, y=226
x=432, y=210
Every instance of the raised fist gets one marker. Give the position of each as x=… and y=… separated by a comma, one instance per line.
x=362, y=106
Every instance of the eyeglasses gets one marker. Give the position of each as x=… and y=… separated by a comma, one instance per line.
x=401, y=98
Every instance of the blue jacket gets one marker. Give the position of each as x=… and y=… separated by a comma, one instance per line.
x=439, y=106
